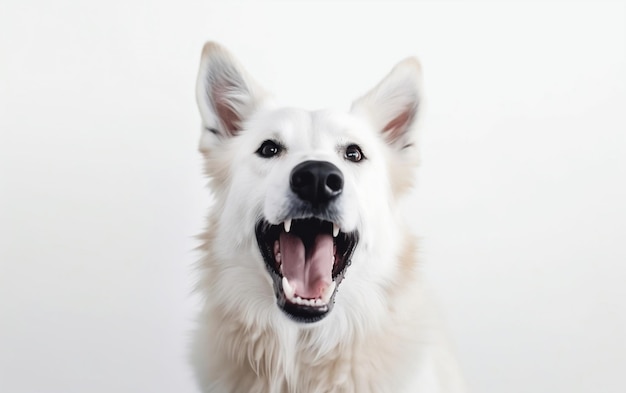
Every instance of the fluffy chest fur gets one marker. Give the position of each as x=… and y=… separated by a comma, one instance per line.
x=367, y=354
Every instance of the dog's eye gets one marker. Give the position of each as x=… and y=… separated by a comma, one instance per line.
x=354, y=153
x=269, y=149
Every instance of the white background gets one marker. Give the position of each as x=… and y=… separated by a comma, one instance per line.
x=520, y=204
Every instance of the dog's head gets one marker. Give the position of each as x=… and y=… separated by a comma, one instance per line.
x=305, y=200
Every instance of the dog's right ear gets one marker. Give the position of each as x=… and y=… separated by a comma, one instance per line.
x=225, y=94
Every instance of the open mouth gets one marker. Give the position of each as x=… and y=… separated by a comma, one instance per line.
x=307, y=259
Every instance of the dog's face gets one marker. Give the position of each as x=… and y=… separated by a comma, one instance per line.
x=304, y=200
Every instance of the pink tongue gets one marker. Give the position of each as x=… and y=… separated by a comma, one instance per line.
x=308, y=271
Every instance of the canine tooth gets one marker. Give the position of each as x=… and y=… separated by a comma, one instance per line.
x=328, y=292
x=287, y=289
x=287, y=224
x=335, y=230
x=278, y=257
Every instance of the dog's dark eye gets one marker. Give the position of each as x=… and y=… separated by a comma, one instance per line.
x=269, y=149
x=354, y=153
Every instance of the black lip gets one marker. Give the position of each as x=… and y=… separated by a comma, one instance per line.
x=267, y=233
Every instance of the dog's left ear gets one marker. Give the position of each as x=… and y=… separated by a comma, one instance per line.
x=392, y=106
x=226, y=95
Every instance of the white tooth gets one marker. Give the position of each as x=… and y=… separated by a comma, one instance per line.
x=335, y=230
x=318, y=302
x=287, y=225
x=328, y=292
x=289, y=291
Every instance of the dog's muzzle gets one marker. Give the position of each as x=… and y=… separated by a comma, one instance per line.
x=307, y=254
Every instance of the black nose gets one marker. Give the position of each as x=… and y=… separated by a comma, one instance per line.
x=317, y=182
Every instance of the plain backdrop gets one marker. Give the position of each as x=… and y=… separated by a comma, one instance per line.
x=520, y=204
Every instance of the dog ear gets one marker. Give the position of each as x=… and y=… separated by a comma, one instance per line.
x=392, y=106
x=225, y=94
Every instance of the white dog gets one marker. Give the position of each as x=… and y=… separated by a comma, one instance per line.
x=309, y=276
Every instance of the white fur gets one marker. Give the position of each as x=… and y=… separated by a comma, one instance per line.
x=382, y=335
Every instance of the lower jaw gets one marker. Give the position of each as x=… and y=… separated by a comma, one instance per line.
x=304, y=315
